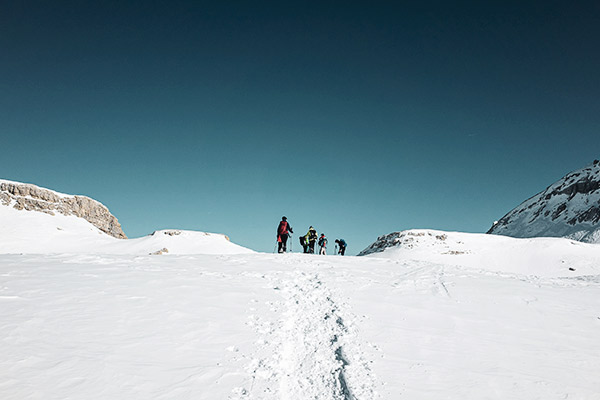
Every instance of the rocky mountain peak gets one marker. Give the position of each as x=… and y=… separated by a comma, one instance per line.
x=30, y=197
x=568, y=208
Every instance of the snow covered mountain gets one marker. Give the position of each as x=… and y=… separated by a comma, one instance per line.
x=37, y=220
x=24, y=196
x=426, y=315
x=568, y=208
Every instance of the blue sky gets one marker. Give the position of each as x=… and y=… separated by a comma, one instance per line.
x=357, y=118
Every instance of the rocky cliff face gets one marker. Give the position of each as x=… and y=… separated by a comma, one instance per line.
x=568, y=208
x=33, y=198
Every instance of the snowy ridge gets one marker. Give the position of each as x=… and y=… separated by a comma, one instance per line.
x=58, y=194
x=568, y=208
x=533, y=256
x=42, y=233
x=176, y=241
x=28, y=197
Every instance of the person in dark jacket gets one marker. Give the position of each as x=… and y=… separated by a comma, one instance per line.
x=323, y=245
x=283, y=231
x=342, y=246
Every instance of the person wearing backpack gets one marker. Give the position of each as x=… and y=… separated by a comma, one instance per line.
x=304, y=244
x=342, y=246
x=309, y=240
x=323, y=245
x=283, y=231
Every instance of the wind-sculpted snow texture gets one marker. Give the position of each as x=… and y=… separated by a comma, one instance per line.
x=568, y=208
x=296, y=326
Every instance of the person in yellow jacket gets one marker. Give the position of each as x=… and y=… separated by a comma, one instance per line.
x=308, y=241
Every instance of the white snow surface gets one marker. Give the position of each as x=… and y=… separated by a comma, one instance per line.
x=36, y=232
x=462, y=317
x=549, y=257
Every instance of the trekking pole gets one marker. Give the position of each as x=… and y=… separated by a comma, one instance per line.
x=275, y=248
x=291, y=241
x=335, y=251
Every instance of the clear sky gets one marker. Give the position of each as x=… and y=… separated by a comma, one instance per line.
x=359, y=118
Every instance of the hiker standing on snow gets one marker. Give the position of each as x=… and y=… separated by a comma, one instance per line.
x=342, y=244
x=309, y=240
x=283, y=231
x=323, y=245
x=304, y=243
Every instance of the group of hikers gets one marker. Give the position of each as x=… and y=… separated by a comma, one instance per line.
x=307, y=241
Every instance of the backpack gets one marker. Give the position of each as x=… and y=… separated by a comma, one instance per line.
x=283, y=227
x=302, y=241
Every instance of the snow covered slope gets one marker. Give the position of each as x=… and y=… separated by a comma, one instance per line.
x=568, y=208
x=25, y=196
x=534, y=256
x=294, y=326
x=427, y=315
x=30, y=231
x=175, y=241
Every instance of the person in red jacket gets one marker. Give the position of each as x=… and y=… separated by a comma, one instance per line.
x=283, y=231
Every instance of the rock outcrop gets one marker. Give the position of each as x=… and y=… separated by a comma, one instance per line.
x=568, y=208
x=33, y=198
x=404, y=239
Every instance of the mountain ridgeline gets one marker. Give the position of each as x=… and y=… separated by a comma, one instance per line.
x=24, y=196
x=35, y=220
x=568, y=208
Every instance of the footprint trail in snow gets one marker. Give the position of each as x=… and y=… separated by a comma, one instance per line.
x=313, y=350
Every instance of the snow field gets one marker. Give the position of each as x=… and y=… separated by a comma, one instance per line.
x=443, y=315
x=292, y=326
x=458, y=333
x=117, y=328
